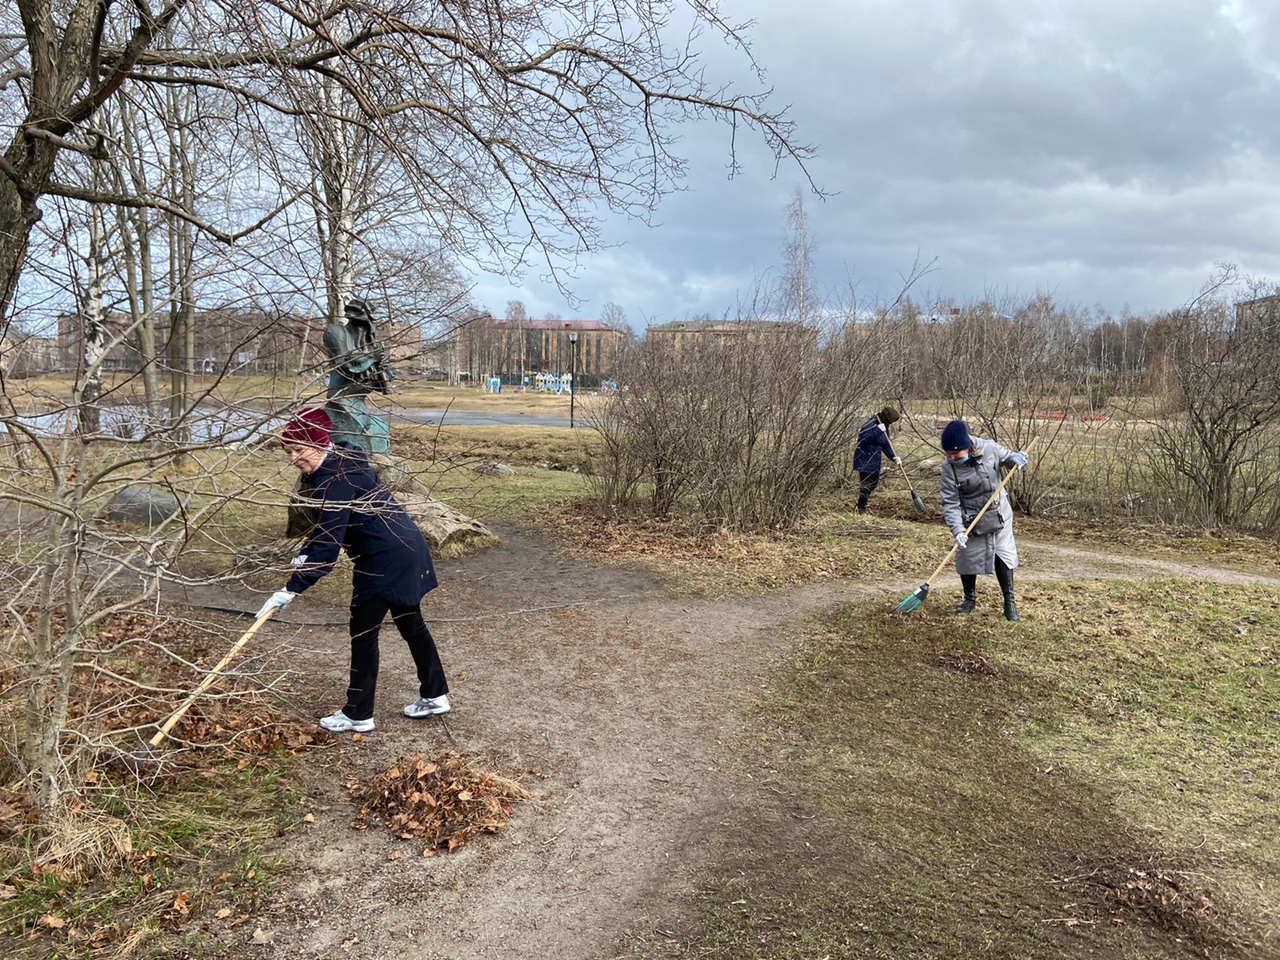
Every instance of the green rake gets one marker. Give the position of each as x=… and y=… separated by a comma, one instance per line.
x=915, y=497
x=921, y=593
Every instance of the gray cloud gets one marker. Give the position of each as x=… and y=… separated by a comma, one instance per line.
x=1106, y=152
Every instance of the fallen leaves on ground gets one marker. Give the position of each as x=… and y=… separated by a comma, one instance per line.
x=714, y=560
x=1167, y=895
x=445, y=800
x=129, y=654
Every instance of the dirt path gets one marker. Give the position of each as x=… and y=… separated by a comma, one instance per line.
x=619, y=706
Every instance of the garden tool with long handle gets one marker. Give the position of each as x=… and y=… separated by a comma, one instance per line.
x=921, y=593
x=208, y=680
x=915, y=497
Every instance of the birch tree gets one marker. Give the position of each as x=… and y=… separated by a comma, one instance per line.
x=95, y=325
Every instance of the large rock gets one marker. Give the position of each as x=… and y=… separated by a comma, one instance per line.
x=394, y=473
x=139, y=504
x=439, y=523
x=929, y=467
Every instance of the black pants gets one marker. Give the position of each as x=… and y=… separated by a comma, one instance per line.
x=867, y=483
x=366, y=620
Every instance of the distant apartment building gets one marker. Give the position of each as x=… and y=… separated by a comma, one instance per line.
x=1261, y=312
x=680, y=334
x=486, y=347
x=22, y=355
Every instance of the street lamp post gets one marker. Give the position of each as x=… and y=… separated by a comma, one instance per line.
x=573, y=372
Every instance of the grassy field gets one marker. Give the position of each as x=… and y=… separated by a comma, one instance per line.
x=1005, y=789
x=1109, y=765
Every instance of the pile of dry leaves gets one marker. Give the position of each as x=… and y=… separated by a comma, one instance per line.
x=445, y=801
x=1162, y=893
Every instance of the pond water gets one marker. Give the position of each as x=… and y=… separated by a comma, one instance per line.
x=130, y=422
x=232, y=425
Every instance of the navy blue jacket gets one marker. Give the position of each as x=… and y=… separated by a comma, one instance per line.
x=873, y=440
x=358, y=514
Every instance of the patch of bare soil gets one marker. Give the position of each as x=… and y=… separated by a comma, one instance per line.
x=616, y=707
x=1054, y=561
x=622, y=710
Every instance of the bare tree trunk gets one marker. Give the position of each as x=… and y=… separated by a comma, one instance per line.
x=181, y=334
x=338, y=151
x=66, y=88
x=181, y=278
x=95, y=328
x=139, y=270
x=18, y=214
x=53, y=649
x=335, y=147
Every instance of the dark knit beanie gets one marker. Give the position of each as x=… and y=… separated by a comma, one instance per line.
x=956, y=437
x=311, y=426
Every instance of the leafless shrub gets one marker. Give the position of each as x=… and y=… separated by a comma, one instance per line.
x=740, y=422
x=1216, y=455
x=1007, y=368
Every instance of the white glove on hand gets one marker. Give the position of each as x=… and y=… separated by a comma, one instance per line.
x=962, y=540
x=898, y=461
x=1019, y=459
x=299, y=561
x=275, y=601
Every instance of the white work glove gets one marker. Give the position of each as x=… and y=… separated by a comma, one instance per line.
x=962, y=540
x=898, y=461
x=274, y=602
x=1019, y=459
x=299, y=561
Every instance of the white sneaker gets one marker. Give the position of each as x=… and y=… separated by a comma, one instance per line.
x=341, y=723
x=428, y=706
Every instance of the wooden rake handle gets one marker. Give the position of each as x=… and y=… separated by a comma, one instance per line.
x=906, y=476
x=209, y=678
x=969, y=529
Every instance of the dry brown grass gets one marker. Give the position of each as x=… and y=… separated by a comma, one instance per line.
x=718, y=561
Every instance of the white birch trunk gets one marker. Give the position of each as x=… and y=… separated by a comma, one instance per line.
x=95, y=327
x=337, y=171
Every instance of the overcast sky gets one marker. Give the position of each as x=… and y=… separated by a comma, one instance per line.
x=1107, y=152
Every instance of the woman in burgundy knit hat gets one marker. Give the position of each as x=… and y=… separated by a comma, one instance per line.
x=356, y=512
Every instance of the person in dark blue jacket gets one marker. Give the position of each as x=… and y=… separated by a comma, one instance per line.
x=356, y=512
x=873, y=441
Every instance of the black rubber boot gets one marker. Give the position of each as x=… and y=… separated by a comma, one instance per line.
x=970, y=583
x=1005, y=576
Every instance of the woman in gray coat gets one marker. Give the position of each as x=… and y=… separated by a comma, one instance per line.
x=970, y=474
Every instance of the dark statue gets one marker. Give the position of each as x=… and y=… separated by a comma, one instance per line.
x=359, y=367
